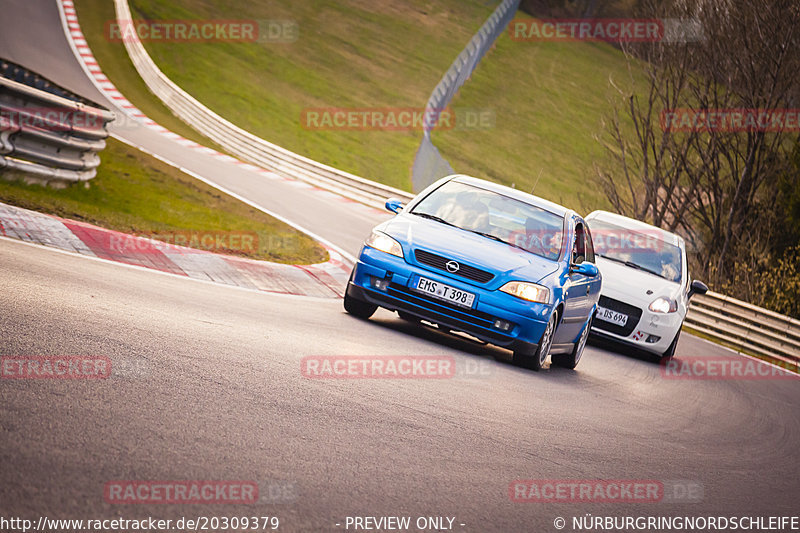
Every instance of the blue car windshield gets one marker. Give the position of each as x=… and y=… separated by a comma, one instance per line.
x=495, y=216
x=641, y=249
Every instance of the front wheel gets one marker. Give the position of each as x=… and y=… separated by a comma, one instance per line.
x=670, y=353
x=537, y=360
x=571, y=360
x=356, y=307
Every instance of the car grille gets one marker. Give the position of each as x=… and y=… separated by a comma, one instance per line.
x=633, y=312
x=469, y=320
x=465, y=271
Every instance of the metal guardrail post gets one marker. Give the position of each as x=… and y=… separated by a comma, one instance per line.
x=747, y=327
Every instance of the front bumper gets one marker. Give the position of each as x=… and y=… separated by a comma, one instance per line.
x=649, y=326
x=528, y=319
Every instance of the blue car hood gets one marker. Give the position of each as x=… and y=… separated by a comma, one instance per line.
x=461, y=245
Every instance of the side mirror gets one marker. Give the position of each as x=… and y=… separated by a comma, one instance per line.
x=697, y=287
x=394, y=205
x=585, y=268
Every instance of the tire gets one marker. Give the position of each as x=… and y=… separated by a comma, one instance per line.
x=537, y=360
x=670, y=353
x=356, y=307
x=571, y=360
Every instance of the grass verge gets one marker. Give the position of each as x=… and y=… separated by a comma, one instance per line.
x=547, y=100
x=352, y=54
x=135, y=193
x=113, y=59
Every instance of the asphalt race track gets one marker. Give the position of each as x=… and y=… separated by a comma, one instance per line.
x=208, y=386
x=214, y=391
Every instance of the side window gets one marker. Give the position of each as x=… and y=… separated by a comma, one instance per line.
x=579, y=245
x=589, y=246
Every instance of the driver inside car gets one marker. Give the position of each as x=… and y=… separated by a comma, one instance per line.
x=466, y=210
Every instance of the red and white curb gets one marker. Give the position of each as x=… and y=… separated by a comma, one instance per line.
x=87, y=60
x=326, y=280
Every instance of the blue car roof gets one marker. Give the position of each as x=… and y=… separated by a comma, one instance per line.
x=513, y=193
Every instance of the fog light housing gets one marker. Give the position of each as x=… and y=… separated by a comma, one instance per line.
x=652, y=339
x=379, y=283
x=503, y=325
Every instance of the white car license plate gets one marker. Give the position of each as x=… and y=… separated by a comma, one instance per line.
x=614, y=317
x=444, y=292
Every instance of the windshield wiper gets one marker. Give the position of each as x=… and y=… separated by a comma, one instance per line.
x=632, y=265
x=496, y=238
x=653, y=272
x=432, y=217
x=643, y=269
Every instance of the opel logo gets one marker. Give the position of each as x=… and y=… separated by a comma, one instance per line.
x=452, y=266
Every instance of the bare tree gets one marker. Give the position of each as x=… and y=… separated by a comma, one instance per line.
x=644, y=180
x=750, y=60
x=715, y=184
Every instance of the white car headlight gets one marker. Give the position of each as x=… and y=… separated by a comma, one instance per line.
x=663, y=305
x=527, y=291
x=384, y=243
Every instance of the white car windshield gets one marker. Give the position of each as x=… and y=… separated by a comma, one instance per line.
x=638, y=249
x=496, y=217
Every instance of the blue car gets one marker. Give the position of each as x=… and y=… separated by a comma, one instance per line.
x=501, y=265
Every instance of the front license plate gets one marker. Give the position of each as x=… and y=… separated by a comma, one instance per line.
x=614, y=317
x=444, y=292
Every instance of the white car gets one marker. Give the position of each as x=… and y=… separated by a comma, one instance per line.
x=646, y=284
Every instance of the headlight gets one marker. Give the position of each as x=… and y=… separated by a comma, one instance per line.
x=384, y=243
x=527, y=291
x=664, y=305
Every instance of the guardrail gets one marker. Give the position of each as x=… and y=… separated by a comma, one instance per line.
x=243, y=143
x=429, y=165
x=46, y=133
x=746, y=327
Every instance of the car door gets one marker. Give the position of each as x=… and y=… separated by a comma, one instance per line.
x=595, y=284
x=581, y=291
